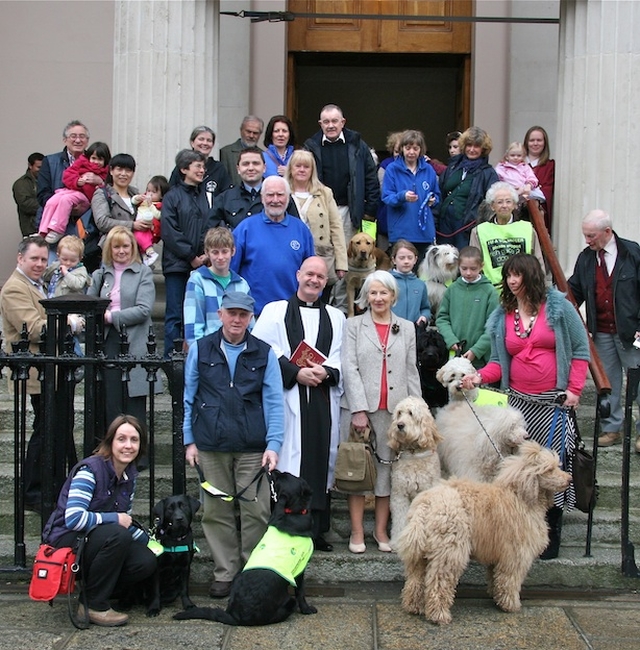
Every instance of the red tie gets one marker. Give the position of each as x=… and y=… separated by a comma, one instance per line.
x=603, y=263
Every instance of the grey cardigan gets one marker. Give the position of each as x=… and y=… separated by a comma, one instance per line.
x=572, y=341
x=137, y=295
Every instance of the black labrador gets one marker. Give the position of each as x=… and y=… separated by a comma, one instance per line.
x=260, y=596
x=432, y=355
x=172, y=522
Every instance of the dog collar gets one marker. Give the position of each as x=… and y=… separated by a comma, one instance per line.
x=417, y=454
x=176, y=549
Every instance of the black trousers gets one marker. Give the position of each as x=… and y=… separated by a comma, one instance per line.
x=111, y=561
x=32, y=461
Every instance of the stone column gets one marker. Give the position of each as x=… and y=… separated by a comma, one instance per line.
x=597, y=161
x=165, y=78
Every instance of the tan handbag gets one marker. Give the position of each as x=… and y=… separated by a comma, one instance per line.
x=355, y=465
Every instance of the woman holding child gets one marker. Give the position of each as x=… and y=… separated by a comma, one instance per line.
x=112, y=205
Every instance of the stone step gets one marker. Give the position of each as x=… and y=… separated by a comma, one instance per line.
x=609, y=482
x=606, y=522
x=571, y=570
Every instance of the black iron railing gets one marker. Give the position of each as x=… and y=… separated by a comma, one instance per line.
x=57, y=366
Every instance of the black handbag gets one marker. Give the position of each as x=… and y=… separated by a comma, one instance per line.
x=584, y=477
x=583, y=466
x=355, y=466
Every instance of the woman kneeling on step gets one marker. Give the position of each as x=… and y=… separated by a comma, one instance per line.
x=96, y=501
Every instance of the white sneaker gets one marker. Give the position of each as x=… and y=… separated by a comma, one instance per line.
x=150, y=258
x=52, y=237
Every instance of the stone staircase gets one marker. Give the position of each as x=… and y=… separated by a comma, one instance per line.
x=602, y=570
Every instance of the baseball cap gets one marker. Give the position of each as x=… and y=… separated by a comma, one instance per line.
x=237, y=300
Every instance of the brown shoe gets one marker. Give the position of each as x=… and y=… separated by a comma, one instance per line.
x=219, y=589
x=609, y=438
x=108, y=618
x=638, y=445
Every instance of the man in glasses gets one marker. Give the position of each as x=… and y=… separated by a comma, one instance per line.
x=75, y=138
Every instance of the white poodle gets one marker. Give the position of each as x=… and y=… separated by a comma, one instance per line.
x=414, y=438
x=465, y=450
x=451, y=374
x=501, y=525
x=439, y=267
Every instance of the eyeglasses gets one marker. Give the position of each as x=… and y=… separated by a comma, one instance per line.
x=77, y=136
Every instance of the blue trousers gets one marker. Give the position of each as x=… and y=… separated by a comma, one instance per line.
x=175, y=285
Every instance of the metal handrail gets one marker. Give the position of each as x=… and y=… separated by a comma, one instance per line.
x=600, y=379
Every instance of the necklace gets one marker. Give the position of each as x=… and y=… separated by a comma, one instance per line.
x=516, y=325
x=383, y=335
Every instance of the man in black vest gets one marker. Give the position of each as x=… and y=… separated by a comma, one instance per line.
x=233, y=425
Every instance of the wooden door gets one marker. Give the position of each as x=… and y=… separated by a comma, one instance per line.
x=348, y=37
x=355, y=31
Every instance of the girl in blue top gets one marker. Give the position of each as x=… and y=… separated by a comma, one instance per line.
x=410, y=189
x=413, y=302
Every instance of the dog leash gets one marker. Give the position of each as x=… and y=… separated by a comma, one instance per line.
x=493, y=444
x=239, y=496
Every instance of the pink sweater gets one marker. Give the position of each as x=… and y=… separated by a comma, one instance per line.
x=533, y=360
x=516, y=175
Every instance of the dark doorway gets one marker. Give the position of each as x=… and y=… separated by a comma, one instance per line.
x=380, y=93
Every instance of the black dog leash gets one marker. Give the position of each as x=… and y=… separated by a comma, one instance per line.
x=219, y=494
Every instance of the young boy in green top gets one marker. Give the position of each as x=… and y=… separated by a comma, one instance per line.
x=465, y=307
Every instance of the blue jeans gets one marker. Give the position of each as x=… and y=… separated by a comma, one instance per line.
x=175, y=285
x=615, y=359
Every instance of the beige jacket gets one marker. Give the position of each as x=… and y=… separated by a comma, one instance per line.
x=323, y=219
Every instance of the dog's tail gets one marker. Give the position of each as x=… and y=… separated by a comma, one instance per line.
x=206, y=613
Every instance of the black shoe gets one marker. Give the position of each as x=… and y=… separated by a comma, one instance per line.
x=34, y=506
x=219, y=589
x=321, y=544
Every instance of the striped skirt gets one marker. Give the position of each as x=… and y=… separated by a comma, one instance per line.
x=551, y=426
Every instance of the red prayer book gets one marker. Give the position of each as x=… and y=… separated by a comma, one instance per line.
x=306, y=354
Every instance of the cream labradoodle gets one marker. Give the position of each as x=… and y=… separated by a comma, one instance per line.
x=501, y=525
x=414, y=438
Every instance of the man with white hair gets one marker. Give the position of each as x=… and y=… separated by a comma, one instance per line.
x=271, y=246
x=606, y=278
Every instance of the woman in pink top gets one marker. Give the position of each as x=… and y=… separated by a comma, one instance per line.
x=540, y=353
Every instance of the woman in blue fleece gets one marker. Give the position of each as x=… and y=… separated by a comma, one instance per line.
x=410, y=189
x=413, y=302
